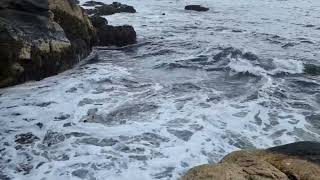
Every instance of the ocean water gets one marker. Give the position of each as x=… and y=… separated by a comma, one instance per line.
x=196, y=86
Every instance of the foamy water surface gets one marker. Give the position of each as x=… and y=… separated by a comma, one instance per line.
x=197, y=86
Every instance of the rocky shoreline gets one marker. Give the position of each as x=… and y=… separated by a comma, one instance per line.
x=40, y=39
x=296, y=161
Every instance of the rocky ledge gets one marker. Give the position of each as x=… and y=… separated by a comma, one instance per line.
x=296, y=161
x=42, y=38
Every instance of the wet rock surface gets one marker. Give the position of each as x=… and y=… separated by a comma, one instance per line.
x=53, y=36
x=93, y=3
x=45, y=45
x=299, y=160
x=109, y=9
x=196, y=8
x=113, y=35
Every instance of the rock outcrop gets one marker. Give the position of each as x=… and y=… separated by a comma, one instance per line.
x=109, y=9
x=296, y=161
x=113, y=35
x=196, y=8
x=39, y=38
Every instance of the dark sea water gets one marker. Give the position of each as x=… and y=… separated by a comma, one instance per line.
x=198, y=85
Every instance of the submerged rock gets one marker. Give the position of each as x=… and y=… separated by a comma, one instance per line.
x=181, y=134
x=196, y=8
x=98, y=142
x=52, y=138
x=312, y=70
x=299, y=160
x=27, y=138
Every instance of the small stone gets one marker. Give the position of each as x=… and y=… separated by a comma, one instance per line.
x=40, y=125
x=196, y=8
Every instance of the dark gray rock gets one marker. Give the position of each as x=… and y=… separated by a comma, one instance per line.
x=312, y=70
x=67, y=124
x=196, y=8
x=115, y=7
x=139, y=157
x=93, y=3
x=33, y=6
x=250, y=56
x=98, y=21
x=113, y=35
x=62, y=117
x=39, y=124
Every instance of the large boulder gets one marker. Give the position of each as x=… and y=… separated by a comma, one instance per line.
x=113, y=35
x=196, y=8
x=39, y=38
x=300, y=161
x=109, y=9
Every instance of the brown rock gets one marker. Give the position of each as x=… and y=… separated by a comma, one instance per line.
x=293, y=161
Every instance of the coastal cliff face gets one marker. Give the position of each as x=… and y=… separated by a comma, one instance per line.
x=296, y=161
x=40, y=38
